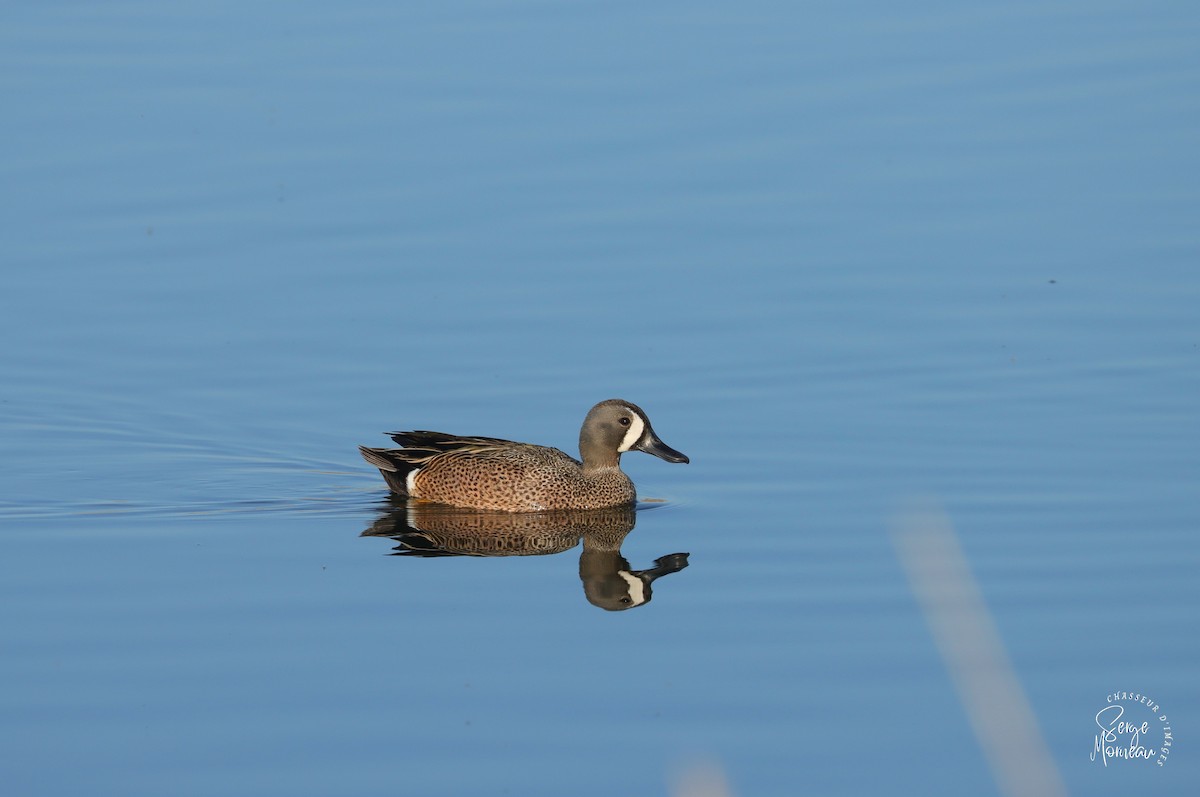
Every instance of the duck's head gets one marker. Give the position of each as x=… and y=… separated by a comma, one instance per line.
x=615, y=426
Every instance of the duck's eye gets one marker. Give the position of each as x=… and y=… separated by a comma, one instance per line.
x=624, y=421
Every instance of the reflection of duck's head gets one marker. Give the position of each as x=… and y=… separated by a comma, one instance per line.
x=608, y=581
x=423, y=529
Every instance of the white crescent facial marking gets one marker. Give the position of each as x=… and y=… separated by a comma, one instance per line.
x=636, y=427
x=637, y=587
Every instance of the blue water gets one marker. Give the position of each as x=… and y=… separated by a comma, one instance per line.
x=845, y=256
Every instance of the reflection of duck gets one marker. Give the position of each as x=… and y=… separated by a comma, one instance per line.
x=423, y=529
x=488, y=473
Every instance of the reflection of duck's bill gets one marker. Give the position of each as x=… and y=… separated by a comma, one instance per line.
x=665, y=565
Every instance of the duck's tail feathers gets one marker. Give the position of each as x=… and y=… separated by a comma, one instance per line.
x=395, y=469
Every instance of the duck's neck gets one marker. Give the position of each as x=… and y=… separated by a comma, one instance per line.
x=599, y=461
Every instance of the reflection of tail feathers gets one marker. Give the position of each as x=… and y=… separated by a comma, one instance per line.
x=419, y=544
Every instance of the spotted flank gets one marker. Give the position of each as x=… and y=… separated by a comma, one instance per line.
x=489, y=473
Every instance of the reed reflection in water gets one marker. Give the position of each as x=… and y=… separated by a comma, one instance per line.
x=422, y=529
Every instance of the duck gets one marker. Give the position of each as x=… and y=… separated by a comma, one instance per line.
x=503, y=475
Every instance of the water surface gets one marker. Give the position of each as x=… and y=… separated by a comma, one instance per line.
x=843, y=256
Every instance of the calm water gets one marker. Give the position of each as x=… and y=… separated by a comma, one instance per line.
x=846, y=257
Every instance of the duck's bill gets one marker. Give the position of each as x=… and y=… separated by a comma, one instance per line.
x=652, y=445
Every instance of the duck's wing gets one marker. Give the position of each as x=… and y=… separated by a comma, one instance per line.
x=422, y=447
x=442, y=442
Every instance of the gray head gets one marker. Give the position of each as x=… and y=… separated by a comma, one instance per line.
x=613, y=427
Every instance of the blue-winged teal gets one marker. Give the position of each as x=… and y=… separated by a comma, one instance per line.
x=487, y=473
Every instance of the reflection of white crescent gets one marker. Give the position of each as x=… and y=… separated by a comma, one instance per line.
x=637, y=587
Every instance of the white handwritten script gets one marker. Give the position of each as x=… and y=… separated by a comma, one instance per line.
x=1121, y=738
